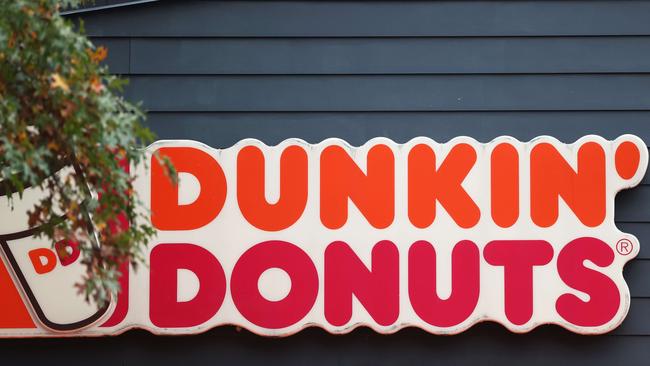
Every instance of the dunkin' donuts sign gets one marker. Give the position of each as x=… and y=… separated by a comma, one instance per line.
x=274, y=239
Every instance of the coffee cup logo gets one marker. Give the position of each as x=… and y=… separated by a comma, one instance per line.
x=46, y=273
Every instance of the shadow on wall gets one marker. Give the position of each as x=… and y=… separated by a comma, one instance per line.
x=489, y=342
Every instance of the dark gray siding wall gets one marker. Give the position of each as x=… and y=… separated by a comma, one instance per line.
x=218, y=72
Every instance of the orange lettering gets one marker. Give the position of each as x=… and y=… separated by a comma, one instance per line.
x=342, y=179
x=627, y=159
x=426, y=185
x=505, y=185
x=293, y=188
x=166, y=213
x=552, y=177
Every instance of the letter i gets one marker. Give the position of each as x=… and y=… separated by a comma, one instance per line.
x=504, y=181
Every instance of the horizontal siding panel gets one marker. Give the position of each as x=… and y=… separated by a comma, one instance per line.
x=390, y=18
x=485, y=344
x=636, y=274
x=633, y=205
x=389, y=55
x=637, y=321
x=223, y=129
x=392, y=92
x=117, y=58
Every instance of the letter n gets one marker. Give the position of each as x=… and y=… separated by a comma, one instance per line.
x=551, y=177
x=377, y=289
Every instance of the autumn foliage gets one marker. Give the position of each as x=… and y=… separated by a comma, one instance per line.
x=61, y=109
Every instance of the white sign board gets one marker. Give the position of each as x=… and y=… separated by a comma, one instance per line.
x=274, y=239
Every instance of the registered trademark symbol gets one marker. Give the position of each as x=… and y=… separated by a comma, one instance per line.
x=624, y=247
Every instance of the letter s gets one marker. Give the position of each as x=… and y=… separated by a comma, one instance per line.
x=604, y=296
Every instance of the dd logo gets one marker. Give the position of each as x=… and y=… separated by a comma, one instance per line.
x=44, y=259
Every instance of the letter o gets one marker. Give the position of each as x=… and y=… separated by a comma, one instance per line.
x=274, y=314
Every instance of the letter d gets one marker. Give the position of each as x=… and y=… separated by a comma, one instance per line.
x=165, y=311
x=166, y=212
